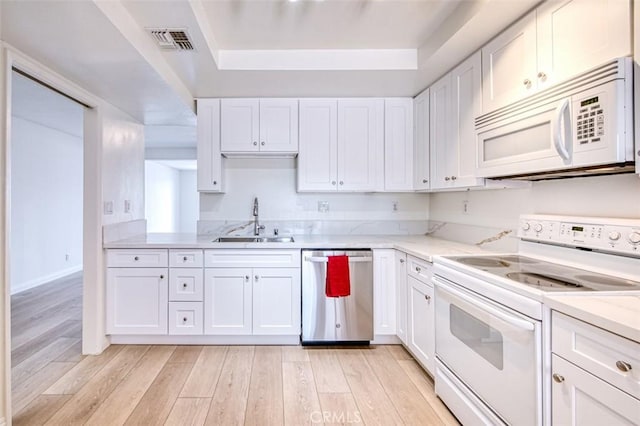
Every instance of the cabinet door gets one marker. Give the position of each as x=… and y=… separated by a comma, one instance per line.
x=440, y=127
x=466, y=105
x=276, y=301
x=421, y=142
x=227, y=301
x=401, y=295
x=398, y=144
x=581, y=398
x=137, y=300
x=209, y=157
x=421, y=329
x=279, y=125
x=318, y=151
x=360, y=144
x=509, y=65
x=384, y=292
x=239, y=125
x=577, y=35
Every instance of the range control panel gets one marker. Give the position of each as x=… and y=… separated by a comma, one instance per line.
x=604, y=234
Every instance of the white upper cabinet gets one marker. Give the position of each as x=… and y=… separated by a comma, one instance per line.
x=209, y=158
x=360, y=144
x=317, y=158
x=259, y=125
x=421, y=142
x=398, y=144
x=341, y=145
x=455, y=102
x=551, y=44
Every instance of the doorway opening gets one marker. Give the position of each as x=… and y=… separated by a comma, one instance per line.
x=46, y=237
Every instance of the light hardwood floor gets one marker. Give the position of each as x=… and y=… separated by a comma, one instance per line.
x=54, y=384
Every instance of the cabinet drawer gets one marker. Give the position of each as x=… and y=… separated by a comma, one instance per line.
x=185, y=258
x=185, y=317
x=419, y=269
x=136, y=258
x=604, y=354
x=240, y=258
x=186, y=284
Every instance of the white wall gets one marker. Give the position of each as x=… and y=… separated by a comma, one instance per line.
x=46, y=203
x=189, y=204
x=162, y=197
x=616, y=196
x=273, y=181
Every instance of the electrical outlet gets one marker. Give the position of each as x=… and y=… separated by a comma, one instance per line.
x=127, y=206
x=66, y=257
x=465, y=207
x=108, y=207
x=323, y=206
x=395, y=206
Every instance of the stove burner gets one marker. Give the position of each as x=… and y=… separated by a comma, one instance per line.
x=542, y=281
x=519, y=259
x=487, y=262
x=608, y=281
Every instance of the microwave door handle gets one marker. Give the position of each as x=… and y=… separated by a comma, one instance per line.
x=563, y=114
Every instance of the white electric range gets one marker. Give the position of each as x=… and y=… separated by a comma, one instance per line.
x=491, y=328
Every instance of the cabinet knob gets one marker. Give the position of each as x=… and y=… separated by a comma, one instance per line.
x=262, y=143
x=256, y=277
x=184, y=285
x=527, y=83
x=184, y=319
x=333, y=182
x=542, y=76
x=623, y=366
x=136, y=258
x=162, y=277
x=447, y=178
x=557, y=378
x=427, y=297
x=246, y=278
x=454, y=177
x=184, y=259
x=401, y=260
x=418, y=269
x=425, y=180
x=341, y=182
x=255, y=143
x=215, y=182
x=338, y=325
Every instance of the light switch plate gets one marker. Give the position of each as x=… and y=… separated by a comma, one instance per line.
x=108, y=207
x=323, y=206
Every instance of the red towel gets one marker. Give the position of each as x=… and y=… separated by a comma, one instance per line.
x=338, y=277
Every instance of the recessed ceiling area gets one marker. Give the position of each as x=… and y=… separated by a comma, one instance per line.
x=243, y=48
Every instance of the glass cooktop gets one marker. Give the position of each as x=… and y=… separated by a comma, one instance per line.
x=546, y=276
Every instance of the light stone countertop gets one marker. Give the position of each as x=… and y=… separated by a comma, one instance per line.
x=618, y=313
x=421, y=246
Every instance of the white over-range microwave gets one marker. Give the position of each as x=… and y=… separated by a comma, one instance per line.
x=580, y=127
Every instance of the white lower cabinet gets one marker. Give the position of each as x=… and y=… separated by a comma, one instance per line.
x=420, y=330
x=594, y=375
x=227, y=301
x=401, y=295
x=384, y=292
x=276, y=301
x=185, y=318
x=137, y=300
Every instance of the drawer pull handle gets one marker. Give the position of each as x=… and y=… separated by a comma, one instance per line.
x=136, y=258
x=418, y=269
x=427, y=297
x=557, y=378
x=623, y=366
x=184, y=285
x=184, y=319
x=162, y=277
x=424, y=181
x=184, y=258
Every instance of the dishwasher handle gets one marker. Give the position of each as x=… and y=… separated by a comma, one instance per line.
x=324, y=259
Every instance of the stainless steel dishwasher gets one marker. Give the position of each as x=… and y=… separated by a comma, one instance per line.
x=342, y=319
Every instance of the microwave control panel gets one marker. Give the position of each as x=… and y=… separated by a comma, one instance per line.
x=605, y=234
x=590, y=120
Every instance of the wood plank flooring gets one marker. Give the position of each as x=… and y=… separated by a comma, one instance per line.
x=197, y=385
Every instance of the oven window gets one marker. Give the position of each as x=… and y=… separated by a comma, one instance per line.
x=477, y=335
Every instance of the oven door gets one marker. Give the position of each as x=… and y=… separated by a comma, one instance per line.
x=493, y=350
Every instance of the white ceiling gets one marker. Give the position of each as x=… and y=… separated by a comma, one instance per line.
x=103, y=46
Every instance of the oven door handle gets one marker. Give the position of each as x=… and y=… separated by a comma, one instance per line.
x=511, y=320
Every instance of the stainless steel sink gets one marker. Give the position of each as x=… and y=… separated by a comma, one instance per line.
x=254, y=240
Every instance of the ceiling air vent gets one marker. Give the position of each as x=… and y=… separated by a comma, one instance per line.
x=171, y=39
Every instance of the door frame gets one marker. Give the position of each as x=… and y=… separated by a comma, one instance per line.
x=93, y=337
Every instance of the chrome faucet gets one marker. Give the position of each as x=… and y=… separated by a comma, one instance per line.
x=256, y=221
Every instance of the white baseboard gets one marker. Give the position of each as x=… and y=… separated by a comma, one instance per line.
x=18, y=288
x=385, y=339
x=204, y=340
